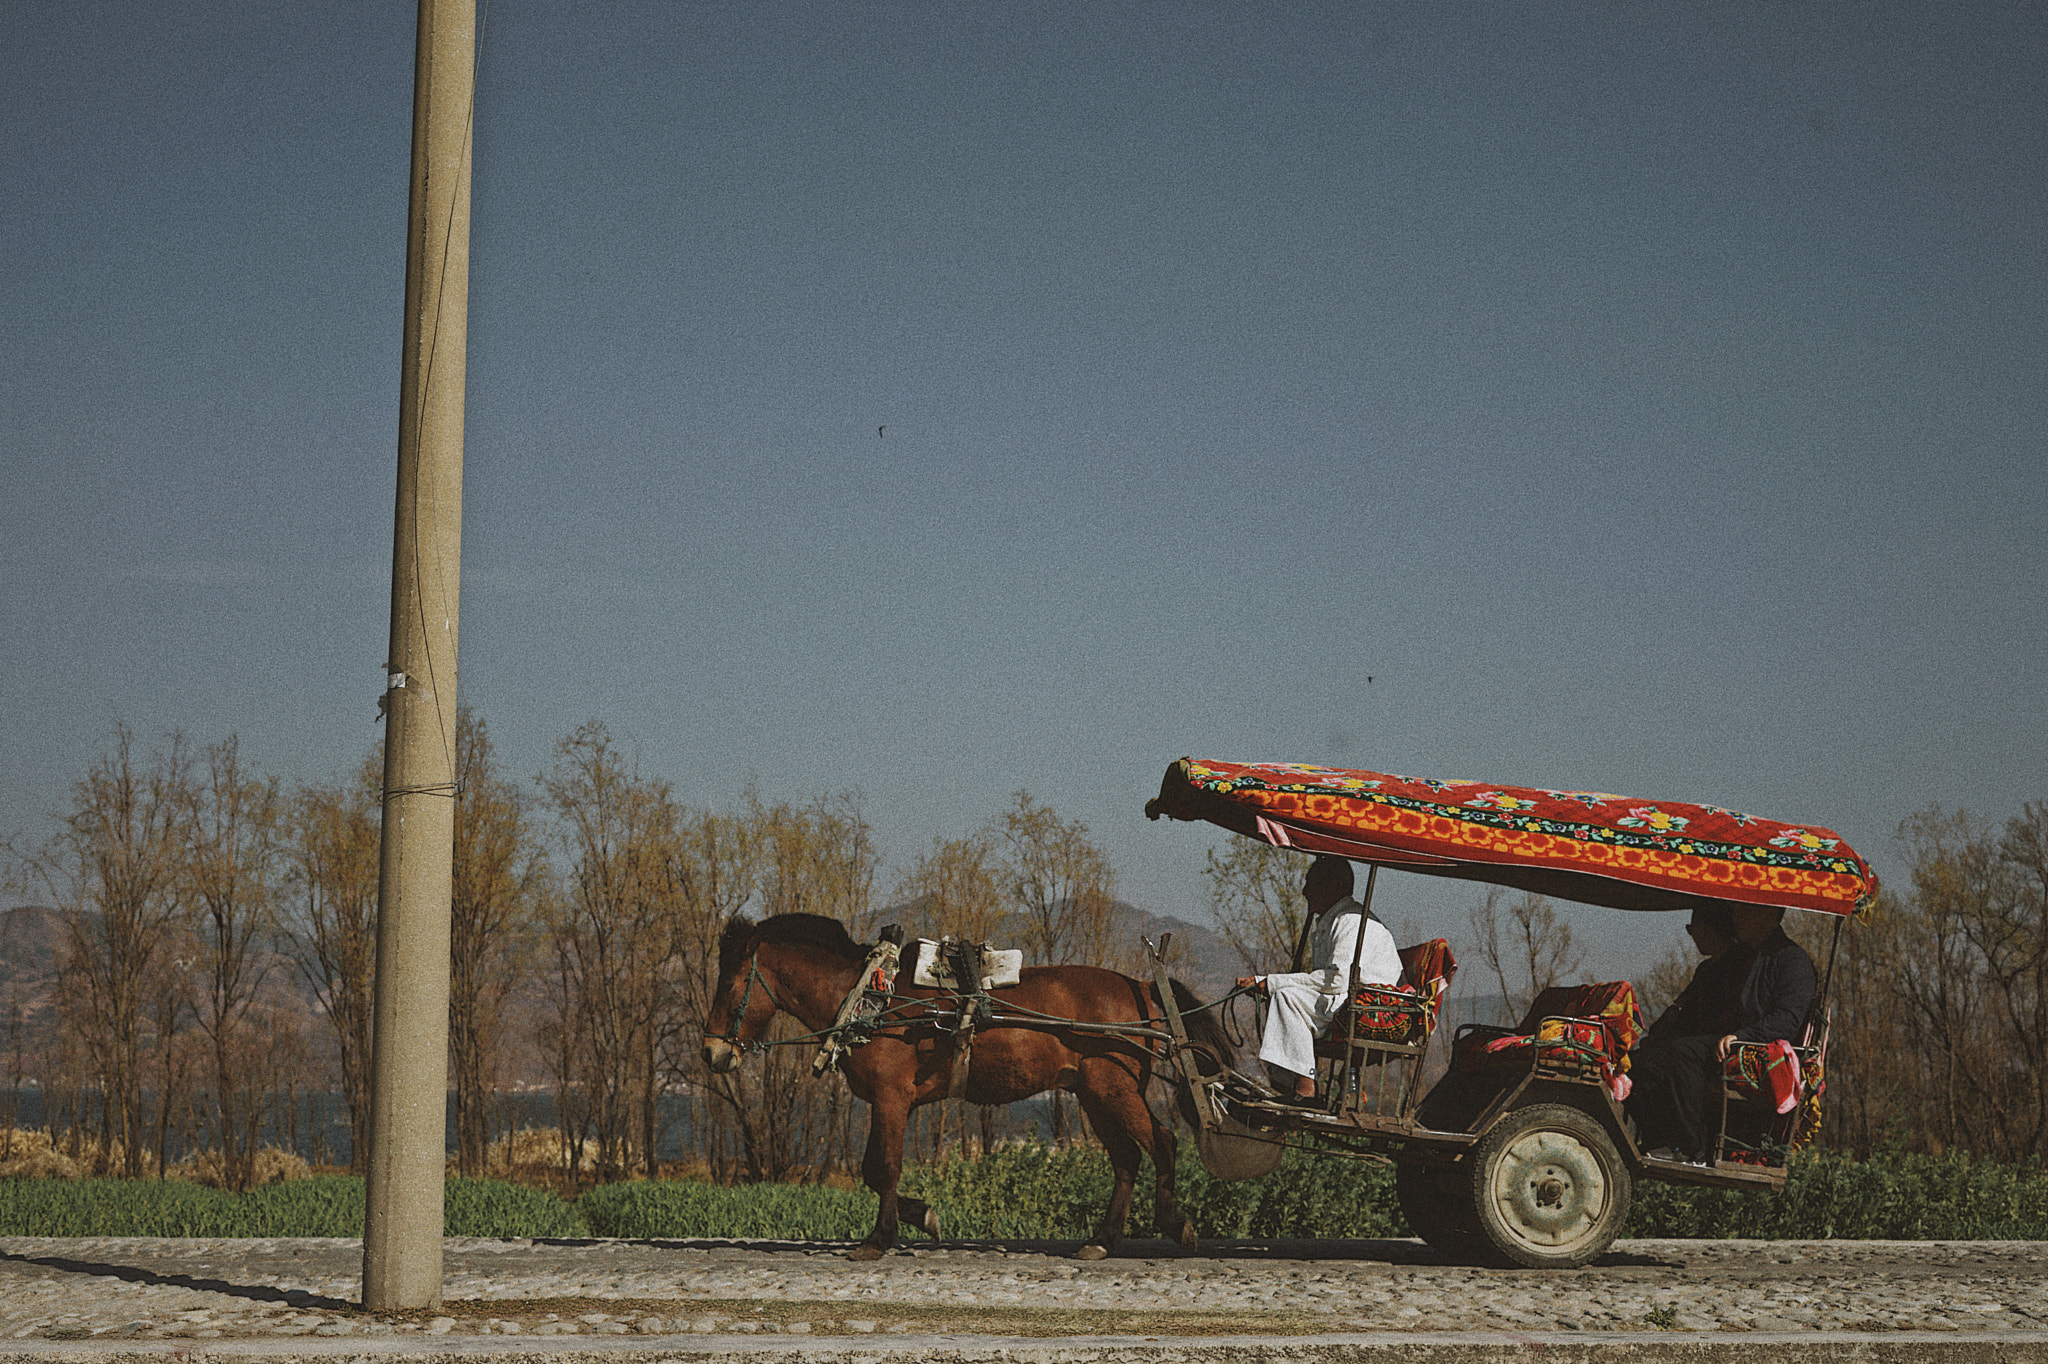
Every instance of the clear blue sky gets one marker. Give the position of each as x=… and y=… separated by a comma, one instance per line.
x=1648, y=398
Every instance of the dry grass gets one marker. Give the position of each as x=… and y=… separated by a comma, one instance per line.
x=32, y=1155
x=35, y=1154
x=273, y=1166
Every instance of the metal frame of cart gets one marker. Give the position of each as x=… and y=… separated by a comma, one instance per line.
x=1536, y=1166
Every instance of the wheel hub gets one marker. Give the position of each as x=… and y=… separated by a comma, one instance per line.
x=1550, y=1189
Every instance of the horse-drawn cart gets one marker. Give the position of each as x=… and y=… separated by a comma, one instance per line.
x=1522, y=1152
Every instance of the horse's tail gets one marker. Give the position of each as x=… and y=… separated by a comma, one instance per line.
x=1205, y=1031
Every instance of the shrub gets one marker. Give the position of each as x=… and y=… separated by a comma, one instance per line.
x=321, y=1205
x=491, y=1207
x=1891, y=1197
x=32, y=1154
x=1015, y=1193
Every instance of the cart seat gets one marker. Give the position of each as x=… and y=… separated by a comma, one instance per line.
x=1576, y=1032
x=1779, y=1085
x=1396, y=1015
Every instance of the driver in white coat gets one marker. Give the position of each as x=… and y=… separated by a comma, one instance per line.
x=1303, y=1002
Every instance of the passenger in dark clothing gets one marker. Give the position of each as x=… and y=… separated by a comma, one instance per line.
x=1707, y=1004
x=1672, y=1069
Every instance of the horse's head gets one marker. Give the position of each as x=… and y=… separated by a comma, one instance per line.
x=740, y=1008
x=801, y=963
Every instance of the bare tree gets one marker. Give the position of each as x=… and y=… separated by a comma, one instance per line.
x=1967, y=959
x=1660, y=986
x=490, y=911
x=1255, y=894
x=717, y=867
x=1938, y=972
x=291, y=1066
x=335, y=840
x=2014, y=940
x=1064, y=892
x=1060, y=884
x=176, y=1052
x=231, y=822
x=116, y=871
x=816, y=858
x=955, y=888
x=1525, y=944
x=611, y=930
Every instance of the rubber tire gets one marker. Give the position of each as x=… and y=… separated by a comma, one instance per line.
x=1572, y=1221
x=1437, y=1204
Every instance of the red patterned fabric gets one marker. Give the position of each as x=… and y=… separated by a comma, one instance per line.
x=1579, y=1031
x=1406, y=1013
x=1802, y=1078
x=1582, y=845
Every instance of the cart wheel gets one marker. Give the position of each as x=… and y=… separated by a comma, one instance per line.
x=1437, y=1204
x=1548, y=1187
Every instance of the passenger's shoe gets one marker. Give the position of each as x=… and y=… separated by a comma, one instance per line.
x=1673, y=1156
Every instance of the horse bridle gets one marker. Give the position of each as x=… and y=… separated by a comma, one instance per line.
x=731, y=1036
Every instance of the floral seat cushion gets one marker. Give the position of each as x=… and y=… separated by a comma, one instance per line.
x=1578, y=1031
x=1403, y=1014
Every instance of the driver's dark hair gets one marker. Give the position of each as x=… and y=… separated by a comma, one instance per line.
x=1337, y=869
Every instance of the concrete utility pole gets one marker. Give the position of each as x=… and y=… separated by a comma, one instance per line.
x=409, y=1051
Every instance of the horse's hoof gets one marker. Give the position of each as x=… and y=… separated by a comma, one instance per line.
x=864, y=1251
x=1189, y=1242
x=1092, y=1252
x=931, y=1223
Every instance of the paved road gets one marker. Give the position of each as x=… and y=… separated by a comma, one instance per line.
x=145, y=1289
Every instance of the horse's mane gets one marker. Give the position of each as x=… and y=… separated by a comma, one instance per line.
x=742, y=935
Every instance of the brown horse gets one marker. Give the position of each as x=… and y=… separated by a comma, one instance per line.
x=804, y=965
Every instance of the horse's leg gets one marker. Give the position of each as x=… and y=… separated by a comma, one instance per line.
x=1158, y=1141
x=915, y=1212
x=1108, y=1094
x=881, y=1167
x=1174, y=1224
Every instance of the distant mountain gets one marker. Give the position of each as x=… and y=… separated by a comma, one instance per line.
x=1206, y=962
x=31, y=939
x=31, y=951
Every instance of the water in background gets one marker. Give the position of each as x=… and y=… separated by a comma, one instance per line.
x=323, y=1135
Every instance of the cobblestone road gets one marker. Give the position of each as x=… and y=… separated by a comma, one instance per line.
x=79, y=1289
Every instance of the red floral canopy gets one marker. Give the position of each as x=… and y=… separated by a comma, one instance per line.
x=1589, y=846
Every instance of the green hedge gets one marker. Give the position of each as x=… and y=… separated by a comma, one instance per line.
x=1021, y=1193
x=325, y=1205
x=1038, y=1193
x=1891, y=1197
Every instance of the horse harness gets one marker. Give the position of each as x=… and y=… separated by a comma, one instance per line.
x=873, y=1005
x=867, y=1006
x=864, y=1012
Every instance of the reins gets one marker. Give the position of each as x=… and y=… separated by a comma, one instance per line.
x=998, y=1013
